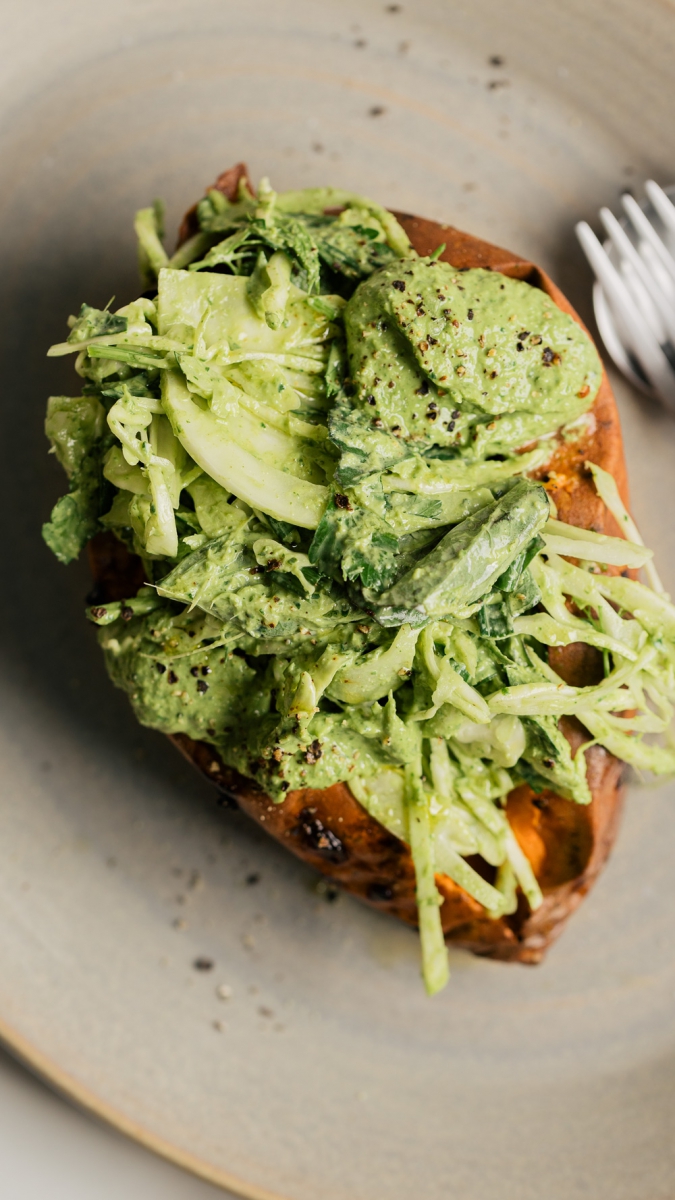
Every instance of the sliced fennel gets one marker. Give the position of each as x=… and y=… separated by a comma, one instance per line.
x=254, y=481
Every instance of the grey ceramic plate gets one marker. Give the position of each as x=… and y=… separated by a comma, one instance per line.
x=328, y=1073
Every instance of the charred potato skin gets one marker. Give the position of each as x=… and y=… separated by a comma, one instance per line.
x=567, y=843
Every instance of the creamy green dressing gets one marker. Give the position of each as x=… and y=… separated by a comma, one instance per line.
x=324, y=450
x=470, y=359
x=463, y=364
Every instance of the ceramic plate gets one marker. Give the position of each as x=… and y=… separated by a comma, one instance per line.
x=327, y=1073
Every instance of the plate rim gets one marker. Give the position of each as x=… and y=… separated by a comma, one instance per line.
x=85, y=1099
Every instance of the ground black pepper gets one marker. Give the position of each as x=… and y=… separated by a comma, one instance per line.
x=314, y=752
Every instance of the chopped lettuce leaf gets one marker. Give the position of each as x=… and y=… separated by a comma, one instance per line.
x=353, y=543
x=95, y=322
x=462, y=568
x=269, y=287
x=75, y=427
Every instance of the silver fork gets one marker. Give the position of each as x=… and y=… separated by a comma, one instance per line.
x=634, y=293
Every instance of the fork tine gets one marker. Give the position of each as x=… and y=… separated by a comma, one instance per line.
x=627, y=250
x=617, y=341
x=662, y=204
x=644, y=302
x=656, y=268
x=643, y=343
x=644, y=228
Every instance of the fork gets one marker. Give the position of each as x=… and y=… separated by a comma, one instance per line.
x=634, y=293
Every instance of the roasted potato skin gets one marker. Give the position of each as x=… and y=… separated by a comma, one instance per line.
x=567, y=843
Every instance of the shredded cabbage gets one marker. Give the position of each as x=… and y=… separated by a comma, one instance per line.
x=327, y=600
x=609, y=493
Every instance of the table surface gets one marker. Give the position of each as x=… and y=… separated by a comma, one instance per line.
x=49, y=1148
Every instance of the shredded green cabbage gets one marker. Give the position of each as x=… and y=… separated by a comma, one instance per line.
x=328, y=599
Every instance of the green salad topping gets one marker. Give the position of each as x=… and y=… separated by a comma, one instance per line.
x=313, y=438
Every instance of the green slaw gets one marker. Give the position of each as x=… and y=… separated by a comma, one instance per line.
x=313, y=440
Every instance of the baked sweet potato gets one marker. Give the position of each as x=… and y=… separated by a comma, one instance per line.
x=566, y=843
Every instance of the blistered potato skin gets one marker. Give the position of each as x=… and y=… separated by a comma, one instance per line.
x=567, y=843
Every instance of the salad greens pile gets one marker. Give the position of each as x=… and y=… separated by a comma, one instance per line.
x=313, y=439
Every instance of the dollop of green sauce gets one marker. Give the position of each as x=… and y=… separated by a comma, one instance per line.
x=465, y=358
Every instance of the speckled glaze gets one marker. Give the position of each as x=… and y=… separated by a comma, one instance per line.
x=325, y=1071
